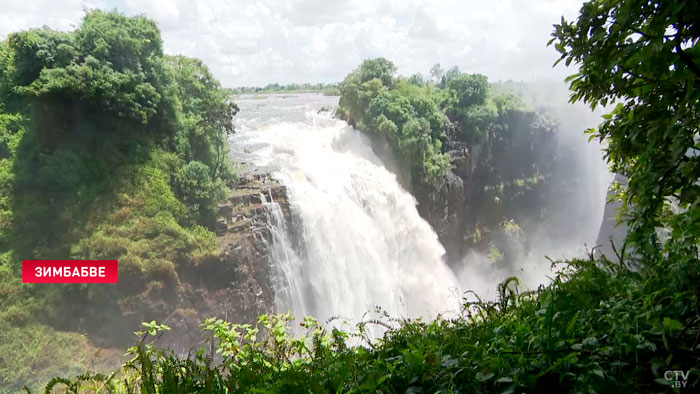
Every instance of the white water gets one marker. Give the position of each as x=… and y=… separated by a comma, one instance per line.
x=358, y=241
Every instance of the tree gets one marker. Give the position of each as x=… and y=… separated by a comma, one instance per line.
x=91, y=104
x=416, y=79
x=436, y=73
x=468, y=89
x=402, y=111
x=448, y=76
x=198, y=190
x=207, y=115
x=378, y=68
x=642, y=56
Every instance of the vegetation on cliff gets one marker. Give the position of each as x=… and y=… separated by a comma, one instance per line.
x=406, y=115
x=483, y=165
x=600, y=326
x=421, y=118
x=109, y=149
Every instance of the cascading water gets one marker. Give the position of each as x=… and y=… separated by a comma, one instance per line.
x=356, y=240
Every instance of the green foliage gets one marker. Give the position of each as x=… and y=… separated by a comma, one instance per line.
x=643, y=57
x=85, y=113
x=378, y=68
x=112, y=61
x=449, y=75
x=200, y=192
x=422, y=119
x=38, y=353
x=597, y=327
x=103, y=97
x=505, y=154
x=404, y=112
x=205, y=112
x=468, y=90
x=108, y=150
x=31, y=353
x=11, y=132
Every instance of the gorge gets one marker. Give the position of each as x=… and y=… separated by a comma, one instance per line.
x=355, y=239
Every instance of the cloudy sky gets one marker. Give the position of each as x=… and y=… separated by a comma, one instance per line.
x=252, y=43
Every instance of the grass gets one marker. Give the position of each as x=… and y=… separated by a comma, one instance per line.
x=33, y=353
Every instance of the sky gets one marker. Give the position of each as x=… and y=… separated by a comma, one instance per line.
x=253, y=43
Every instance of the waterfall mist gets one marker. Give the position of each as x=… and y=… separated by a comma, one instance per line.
x=356, y=240
x=575, y=221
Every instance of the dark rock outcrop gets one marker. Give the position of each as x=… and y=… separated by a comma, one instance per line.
x=466, y=209
x=611, y=233
x=444, y=208
x=236, y=285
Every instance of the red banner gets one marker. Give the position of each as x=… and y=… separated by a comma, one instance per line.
x=70, y=271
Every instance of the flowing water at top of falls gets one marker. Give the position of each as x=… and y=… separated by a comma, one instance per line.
x=355, y=240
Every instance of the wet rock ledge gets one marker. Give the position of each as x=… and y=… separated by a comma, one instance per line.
x=237, y=285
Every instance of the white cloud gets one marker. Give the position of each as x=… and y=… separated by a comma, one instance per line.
x=166, y=12
x=248, y=42
x=22, y=14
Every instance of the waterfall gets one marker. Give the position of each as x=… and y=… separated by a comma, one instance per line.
x=356, y=240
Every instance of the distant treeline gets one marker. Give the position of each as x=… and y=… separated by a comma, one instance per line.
x=329, y=89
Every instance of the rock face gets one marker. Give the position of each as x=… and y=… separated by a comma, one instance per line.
x=464, y=209
x=610, y=231
x=237, y=285
x=444, y=209
x=449, y=207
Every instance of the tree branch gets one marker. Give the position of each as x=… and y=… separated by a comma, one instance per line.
x=687, y=60
x=681, y=53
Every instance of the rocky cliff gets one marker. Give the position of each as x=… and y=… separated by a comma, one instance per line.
x=612, y=233
x=489, y=186
x=237, y=285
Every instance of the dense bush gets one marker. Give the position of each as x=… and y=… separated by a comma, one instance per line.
x=406, y=115
x=109, y=149
x=643, y=56
x=422, y=120
x=599, y=327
